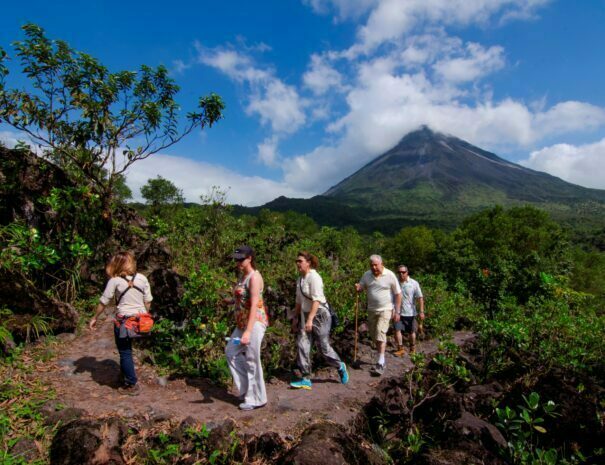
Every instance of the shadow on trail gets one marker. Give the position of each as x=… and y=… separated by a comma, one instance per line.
x=103, y=372
x=210, y=392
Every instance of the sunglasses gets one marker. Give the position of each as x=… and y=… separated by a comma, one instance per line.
x=402, y=272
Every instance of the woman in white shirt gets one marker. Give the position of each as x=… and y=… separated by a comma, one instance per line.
x=132, y=295
x=313, y=321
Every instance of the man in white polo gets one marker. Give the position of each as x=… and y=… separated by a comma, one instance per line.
x=410, y=293
x=381, y=286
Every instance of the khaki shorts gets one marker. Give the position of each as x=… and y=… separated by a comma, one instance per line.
x=378, y=323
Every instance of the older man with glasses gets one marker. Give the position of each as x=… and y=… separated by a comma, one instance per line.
x=382, y=289
x=410, y=293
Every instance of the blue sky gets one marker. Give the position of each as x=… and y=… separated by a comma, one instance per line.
x=317, y=88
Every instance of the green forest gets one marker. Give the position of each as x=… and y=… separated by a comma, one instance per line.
x=531, y=291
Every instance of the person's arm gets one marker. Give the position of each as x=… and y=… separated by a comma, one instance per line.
x=397, y=312
x=255, y=286
x=312, y=313
x=108, y=294
x=420, y=299
x=421, y=304
x=360, y=286
x=100, y=308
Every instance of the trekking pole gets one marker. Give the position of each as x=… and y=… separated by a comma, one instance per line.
x=356, y=332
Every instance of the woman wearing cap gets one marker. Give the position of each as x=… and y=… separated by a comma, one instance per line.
x=243, y=349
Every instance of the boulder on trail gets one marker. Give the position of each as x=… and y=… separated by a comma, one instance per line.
x=329, y=444
x=475, y=429
x=89, y=442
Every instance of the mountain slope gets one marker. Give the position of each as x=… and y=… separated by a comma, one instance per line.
x=435, y=179
x=452, y=167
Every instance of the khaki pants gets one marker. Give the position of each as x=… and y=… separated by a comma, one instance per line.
x=378, y=323
x=245, y=365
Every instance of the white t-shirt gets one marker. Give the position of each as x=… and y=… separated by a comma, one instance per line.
x=410, y=291
x=313, y=287
x=133, y=302
x=380, y=290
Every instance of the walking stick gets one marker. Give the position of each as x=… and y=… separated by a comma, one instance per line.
x=355, y=363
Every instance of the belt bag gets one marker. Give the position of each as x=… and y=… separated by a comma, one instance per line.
x=134, y=326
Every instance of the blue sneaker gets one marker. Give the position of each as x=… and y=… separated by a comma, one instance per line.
x=303, y=383
x=343, y=373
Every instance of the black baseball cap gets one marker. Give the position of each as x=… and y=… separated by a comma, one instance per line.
x=242, y=252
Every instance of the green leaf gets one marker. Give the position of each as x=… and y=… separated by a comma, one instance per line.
x=540, y=429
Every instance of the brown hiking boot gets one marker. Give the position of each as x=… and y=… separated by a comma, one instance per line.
x=400, y=352
x=130, y=390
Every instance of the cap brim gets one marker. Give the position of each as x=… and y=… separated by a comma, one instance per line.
x=238, y=256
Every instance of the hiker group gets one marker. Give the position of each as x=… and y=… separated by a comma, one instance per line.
x=390, y=297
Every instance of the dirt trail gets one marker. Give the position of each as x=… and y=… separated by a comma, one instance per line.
x=86, y=376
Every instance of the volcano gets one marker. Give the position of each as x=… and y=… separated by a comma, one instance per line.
x=436, y=179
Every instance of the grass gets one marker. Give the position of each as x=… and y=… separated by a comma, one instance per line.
x=22, y=394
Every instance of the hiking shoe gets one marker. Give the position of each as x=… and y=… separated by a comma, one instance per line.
x=130, y=390
x=343, y=373
x=302, y=384
x=245, y=406
x=400, y=352
x=377, y=370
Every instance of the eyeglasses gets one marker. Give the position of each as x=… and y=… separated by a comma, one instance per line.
x=402, y=272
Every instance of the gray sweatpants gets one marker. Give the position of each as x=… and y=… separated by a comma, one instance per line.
x=245, y=365
x=321, y=335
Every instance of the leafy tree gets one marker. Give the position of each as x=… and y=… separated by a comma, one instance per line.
x=507, y=252
x=87, y=119
x=121, y=191
x=160, y=192
x=414, y=247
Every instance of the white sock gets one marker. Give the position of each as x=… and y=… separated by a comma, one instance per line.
x=381, y=359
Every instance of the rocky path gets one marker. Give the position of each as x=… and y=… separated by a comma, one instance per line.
x=86, y=376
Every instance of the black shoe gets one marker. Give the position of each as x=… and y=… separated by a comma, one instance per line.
x=377, y=370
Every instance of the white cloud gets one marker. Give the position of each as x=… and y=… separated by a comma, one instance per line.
x=321, y=77
x=279, y=106
x=198, y=178
x=475, y=62
x=581, y=165
x=276, y=103
x=389, y=20
x=569, y=116
x=179, y=66
x=345, y=9
x=10, y=138
x=267, y=151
